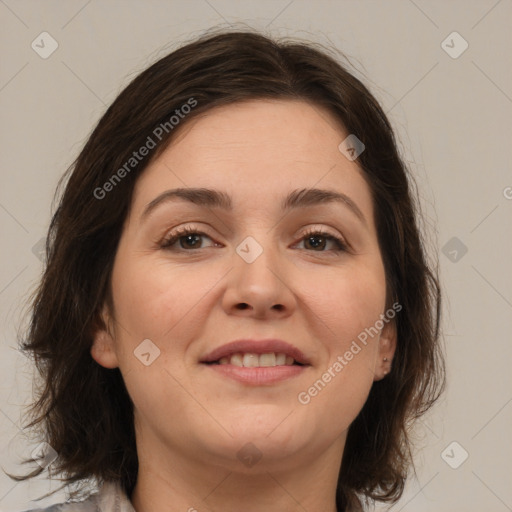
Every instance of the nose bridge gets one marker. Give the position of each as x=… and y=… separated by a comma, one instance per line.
x=257, y=282
x=256, y=260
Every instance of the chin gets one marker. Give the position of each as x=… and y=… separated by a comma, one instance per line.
x=261, y=422
x=275, y=436
x=248, y=454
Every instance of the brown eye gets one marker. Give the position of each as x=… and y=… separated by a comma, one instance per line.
x=188, y=238
x=318, y=240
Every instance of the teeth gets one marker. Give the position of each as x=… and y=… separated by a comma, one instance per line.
x=250, y=360
x=268, y=359
x=236, y=360
x=281, y=359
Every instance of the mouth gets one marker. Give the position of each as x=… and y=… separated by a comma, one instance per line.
x=257, y=362
x=256, y=353
x=252, y=360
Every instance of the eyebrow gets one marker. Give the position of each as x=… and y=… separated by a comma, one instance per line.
x=210, y=198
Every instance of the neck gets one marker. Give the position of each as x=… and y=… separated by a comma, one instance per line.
x=174, y=483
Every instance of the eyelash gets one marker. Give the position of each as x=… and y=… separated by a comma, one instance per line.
x=168, y=242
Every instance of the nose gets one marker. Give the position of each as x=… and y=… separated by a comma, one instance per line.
x=260, y=289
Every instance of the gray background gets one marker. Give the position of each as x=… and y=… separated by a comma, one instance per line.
x=452, y=116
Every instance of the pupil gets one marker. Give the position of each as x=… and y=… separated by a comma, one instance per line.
x=316, y=245
x=190, y=238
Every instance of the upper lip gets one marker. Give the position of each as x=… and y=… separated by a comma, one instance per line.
x=256, y=347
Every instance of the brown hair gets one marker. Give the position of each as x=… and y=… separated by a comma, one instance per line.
x=83, y=410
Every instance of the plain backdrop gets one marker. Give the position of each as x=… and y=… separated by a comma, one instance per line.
x=451, y=106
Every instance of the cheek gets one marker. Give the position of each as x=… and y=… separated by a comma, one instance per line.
x=162, y=303
x=154, y=298
x=345, y=301
x=345, y=305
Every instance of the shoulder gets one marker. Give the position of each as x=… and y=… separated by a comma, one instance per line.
x=53, y=508
x=87, y=505
x=67, y=507
x=110, y=498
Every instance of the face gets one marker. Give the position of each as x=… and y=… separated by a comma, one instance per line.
x=307, y=271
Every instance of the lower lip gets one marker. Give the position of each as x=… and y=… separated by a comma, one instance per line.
x=260, y=375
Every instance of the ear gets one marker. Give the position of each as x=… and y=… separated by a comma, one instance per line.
x=386, y=351
x=103, y=345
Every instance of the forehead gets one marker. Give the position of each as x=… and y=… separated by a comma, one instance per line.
x=257, y=150
x=293, y=128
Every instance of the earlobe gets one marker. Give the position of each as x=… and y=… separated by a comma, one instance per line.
x=387, y=347
x=102, y=351
x=103, y=346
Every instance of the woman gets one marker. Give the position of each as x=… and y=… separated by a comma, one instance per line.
x=236, y=309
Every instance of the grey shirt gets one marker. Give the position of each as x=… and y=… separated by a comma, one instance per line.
x=110, y=498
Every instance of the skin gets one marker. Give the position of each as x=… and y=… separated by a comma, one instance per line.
x=191, y=421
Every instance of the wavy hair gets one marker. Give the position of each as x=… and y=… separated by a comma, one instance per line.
x=83, y=410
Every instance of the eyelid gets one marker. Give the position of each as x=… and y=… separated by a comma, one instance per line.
x=182, y=231
x=337, y=238
x=316, y=230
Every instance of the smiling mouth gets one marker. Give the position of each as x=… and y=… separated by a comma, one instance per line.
x=252, y=360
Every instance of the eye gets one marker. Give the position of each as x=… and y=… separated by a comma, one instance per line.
x=188, y=236
x=318, y=239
